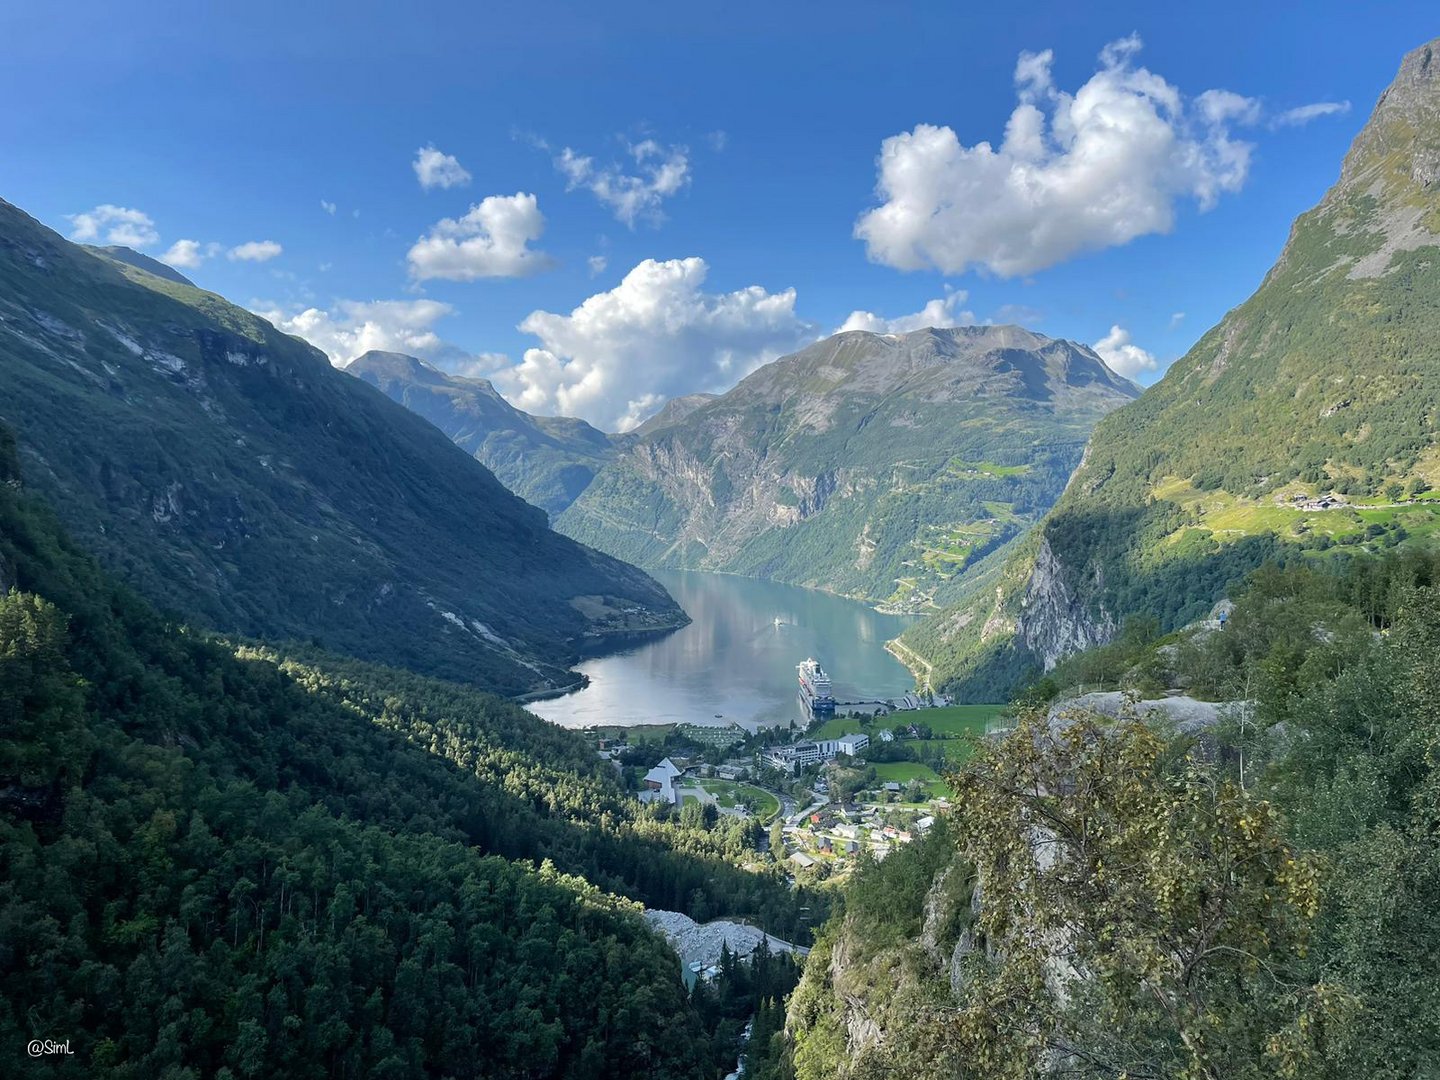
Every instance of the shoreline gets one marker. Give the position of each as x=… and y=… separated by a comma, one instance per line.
x=914, y=663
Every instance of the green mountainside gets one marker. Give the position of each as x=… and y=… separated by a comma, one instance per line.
x=1303, y=425
x=228, y=472
x=232, y=862
x=546, y=460
x=1248, y=896
x=879, y=467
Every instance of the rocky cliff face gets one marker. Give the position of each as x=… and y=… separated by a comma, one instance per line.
x=875, y=466
x=1304, y=420
x=1054, y=621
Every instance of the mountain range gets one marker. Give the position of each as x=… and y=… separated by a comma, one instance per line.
x=235, y=477
x=880, y=467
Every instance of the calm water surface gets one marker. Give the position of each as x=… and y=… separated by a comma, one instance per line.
x=737, y=658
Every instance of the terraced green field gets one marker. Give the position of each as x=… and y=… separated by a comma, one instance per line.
x=974, y=469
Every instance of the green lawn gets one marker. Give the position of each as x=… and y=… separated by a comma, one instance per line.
x=730, y=794
x=946, y=723
x=952, y=720
x=840, y=725
x=903, y=772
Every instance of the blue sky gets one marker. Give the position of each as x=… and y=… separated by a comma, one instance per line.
x=734, y=145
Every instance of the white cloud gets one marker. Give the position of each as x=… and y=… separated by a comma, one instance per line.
x=188, y=254
x=327, y=206
x=1074, y=172
x=1176, y=319
x=434, y=169
x=940, y=313
x=1124, y=356
x=255, y=251
x=490, y=241
x=660, y=172
x=621, y=354
x=112, y=224
x=597, y=264
x=1303, y=114
x=353, y=327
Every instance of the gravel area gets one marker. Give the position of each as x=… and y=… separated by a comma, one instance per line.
x=703, y=941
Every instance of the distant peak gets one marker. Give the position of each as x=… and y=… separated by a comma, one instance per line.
x=1401, y=126
x=382, y=358
x=130, y=257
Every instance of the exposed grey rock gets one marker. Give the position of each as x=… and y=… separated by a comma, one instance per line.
x=703, y=942
x=1184, y=715
x=1054, y=622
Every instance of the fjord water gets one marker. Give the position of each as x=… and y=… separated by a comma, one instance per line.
x=737, y=658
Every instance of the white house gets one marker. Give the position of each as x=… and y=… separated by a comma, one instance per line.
x=850, y=745
x=660, y=782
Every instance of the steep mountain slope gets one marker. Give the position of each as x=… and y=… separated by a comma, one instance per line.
x=130, y=257
x=229, y=472
x=546, y=460
x=674, y=411
x=1306, y=421
x=875, y=466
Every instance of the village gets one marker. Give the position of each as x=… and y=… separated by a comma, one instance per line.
x=849, y=785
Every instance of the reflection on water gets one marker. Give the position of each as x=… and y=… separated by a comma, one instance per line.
x=737, y=658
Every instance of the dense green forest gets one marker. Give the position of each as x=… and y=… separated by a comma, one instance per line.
x=218, y=862
x=1115, y=898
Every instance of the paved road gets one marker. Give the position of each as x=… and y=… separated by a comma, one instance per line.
x=795, y=819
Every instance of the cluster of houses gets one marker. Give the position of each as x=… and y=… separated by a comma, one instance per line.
x=788, y=759
x=1321, y=502
x=844, y=833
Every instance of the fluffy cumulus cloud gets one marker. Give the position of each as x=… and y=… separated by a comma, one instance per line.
x=621, y=354
x=110, y=224
x=1074, y=172
x=1303, y=114
x=942, y=312
x=352, y=327
x=188, y=254
x=1123, y=355
x=491, y=241
x=436, y=170
x=631, y=192
x=257, y=251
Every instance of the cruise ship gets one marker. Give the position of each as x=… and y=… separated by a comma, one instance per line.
x=815, y=692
